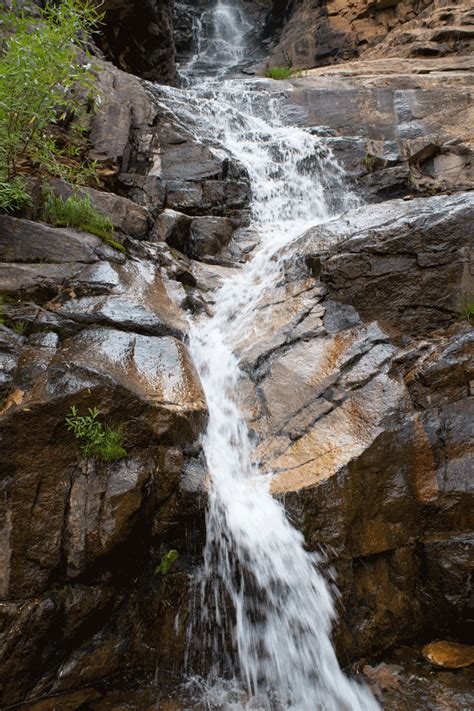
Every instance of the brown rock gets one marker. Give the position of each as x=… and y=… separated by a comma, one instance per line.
x=449, y=655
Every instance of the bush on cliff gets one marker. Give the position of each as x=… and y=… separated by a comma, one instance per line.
x=95, y=439
x=43, y=72
x=278, y=73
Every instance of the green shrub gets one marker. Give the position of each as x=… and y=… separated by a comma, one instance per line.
x=78, y=212
x=40, y=69
x=19, y=327
x=167, y=561
x=467, y=311
x=368, y=162
x=13, y=195
x=278, y=72
x=95, y=439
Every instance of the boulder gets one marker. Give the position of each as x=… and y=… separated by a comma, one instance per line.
x=25, y=241
x=126, y=216
x=449, y=655
x=139, y=300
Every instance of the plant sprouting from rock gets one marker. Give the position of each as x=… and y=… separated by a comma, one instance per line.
x=95, y=439
x=166, y=563
x=278, y=73
x=467, y=311
x=78, y=212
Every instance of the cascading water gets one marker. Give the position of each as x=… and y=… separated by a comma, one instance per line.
x=263, y=611
x=219, y=36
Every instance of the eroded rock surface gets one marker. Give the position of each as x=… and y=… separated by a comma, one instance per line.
x=358, y=387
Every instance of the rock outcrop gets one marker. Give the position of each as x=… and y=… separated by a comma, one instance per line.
x=86, y=325
x=138, y=37
x=364, y=415
x=332, y=31
x=398, y=126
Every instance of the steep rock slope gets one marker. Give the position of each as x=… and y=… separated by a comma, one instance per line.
x=359, y=385
x=86, y=325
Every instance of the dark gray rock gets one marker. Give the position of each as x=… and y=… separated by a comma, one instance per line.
x=128, y=217
x=25, y=241
x=138, y=37
x=404, y=263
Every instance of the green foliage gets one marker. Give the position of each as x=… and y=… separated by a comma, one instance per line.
x=13, y=195
x=19, y=327
x=467, y=311
x=368, y=162
x=167, y=561
x=79, y=213
x=40, y=69
x=278, y=72
x=95, y=439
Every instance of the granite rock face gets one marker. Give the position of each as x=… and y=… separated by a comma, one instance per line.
x=138, y=37
x=316, y=34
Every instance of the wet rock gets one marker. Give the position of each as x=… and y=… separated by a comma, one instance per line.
x=174, y=228
x=102, y=510
x=38, y=282
x=25, y=241
x=404, y=680
x=127, y=216
x=209, y=235
x=449, y=655
x=10, y=347
x=146, y=383
x=138, y=301
x=427, y=241
x=127, y=107
x=448, y=558
x=387, y=123
x=196, y=237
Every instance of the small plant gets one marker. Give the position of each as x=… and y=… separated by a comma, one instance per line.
x=13, y=195
x=278, y=72
x=467, y=311
x=95, y=439
x=368, y=162
x=167, y=561
x=79, y=213
x=19, y=327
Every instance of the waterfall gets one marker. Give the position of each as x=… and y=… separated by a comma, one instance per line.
x=263, y=611
x=219, y=36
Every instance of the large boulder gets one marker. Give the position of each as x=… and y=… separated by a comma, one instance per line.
x=25, y=241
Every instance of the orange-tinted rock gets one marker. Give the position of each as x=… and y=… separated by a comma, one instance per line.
x=449, y=655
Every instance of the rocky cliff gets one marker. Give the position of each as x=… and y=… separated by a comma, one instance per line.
x=359, y=384
x=314, y=34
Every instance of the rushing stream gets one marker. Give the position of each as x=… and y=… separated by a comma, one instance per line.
x=263, y=611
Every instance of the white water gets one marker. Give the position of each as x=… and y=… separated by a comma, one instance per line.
x=273, y=649
x=220, y=38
